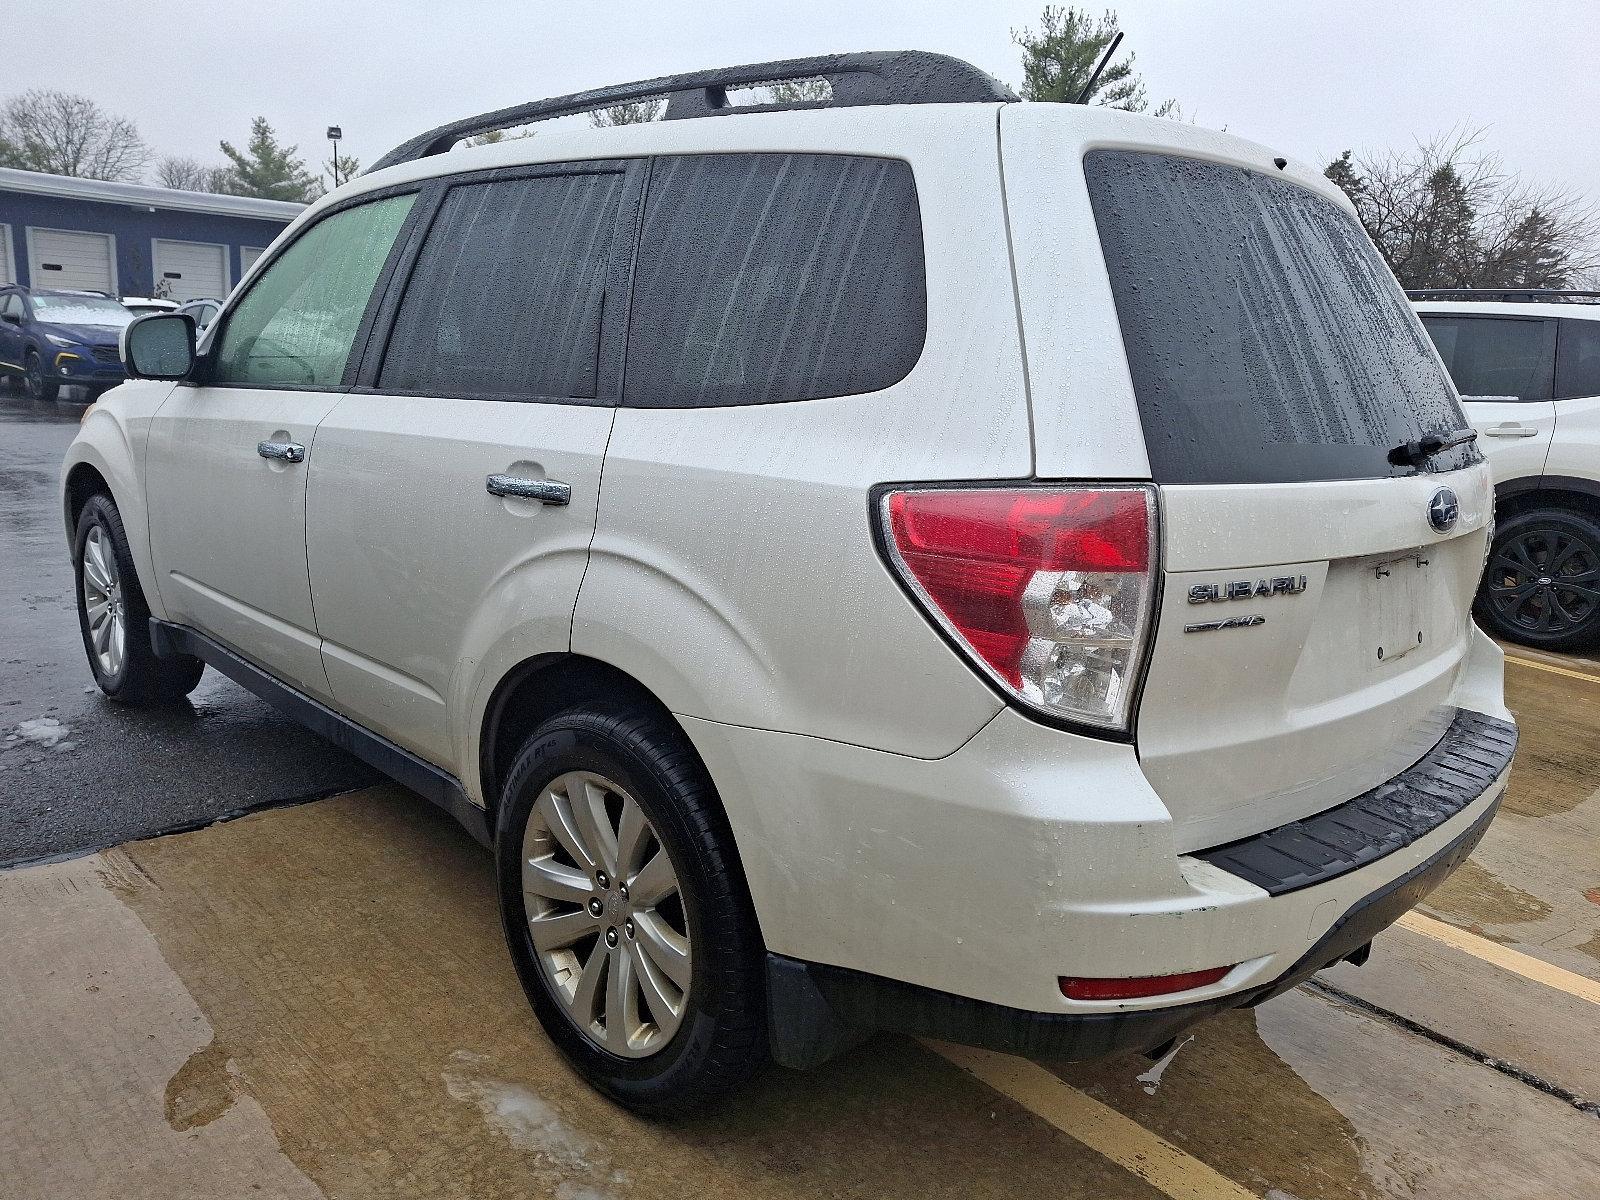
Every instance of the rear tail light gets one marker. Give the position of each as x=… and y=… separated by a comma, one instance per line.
x=1140, y=986
x=1048, y=590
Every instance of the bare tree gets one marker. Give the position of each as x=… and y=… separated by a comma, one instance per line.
x=1446, y=214
x=796, y=91
x=184, y=174
x=340, y=173
x=66, y=134
x=634, y=112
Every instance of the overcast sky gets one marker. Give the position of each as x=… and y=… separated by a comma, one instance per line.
x=1306, y=79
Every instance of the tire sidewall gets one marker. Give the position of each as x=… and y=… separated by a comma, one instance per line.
x=1578, y=525
x=95, y=516
x=565, y=745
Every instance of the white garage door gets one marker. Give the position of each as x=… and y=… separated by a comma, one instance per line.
x=58, y=258
x=189, y=270
x=247, y=258
x=7, y=275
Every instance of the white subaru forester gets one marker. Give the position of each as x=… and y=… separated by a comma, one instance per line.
x=907, y=560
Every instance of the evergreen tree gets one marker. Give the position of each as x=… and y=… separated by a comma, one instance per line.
x=1060, y=58
x=268, y=170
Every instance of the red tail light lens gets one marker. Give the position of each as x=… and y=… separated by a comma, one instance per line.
x=1140, y=987
x=1048, y=589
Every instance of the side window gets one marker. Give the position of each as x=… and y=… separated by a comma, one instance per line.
x=507, y=293
x=1578, y=359
x=1495, y=356
x=771, y=277
x=297, y=324
x=12, y=305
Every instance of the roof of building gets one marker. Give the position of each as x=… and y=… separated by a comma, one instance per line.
x=137, y=195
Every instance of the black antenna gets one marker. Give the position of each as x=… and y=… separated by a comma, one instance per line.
x=1083, y=96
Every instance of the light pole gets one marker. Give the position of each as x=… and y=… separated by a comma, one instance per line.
x=334, y=134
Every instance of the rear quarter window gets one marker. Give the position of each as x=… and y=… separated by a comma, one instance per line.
x=1266, y=339
x=1495, y=356
x=1578, y=360
x=764, y=278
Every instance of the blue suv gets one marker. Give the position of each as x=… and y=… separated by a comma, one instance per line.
x=59, y=338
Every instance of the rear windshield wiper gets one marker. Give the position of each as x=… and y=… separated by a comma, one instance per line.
x=1414, y=453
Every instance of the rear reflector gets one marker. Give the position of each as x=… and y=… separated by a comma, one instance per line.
x=1145, y=985
x=1047, y=589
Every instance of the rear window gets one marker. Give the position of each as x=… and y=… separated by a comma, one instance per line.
x=770, y=277
x=1266, y=338
x=1495, y=356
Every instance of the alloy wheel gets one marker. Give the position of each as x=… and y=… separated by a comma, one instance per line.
x=33, y=378
x=1544, y=581
x=606, y=914
x=103, y=603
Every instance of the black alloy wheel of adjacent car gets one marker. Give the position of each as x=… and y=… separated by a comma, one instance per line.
x=1542, y=584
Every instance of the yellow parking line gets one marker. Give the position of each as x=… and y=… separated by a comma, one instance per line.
x=1507, y=959
x=1554, y=670
x=1098, y=1126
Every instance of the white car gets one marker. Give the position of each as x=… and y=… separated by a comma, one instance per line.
x=143, y=305
x=1527, y=365
x=917, y=560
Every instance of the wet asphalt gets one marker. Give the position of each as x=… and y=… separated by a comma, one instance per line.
x=78, y=772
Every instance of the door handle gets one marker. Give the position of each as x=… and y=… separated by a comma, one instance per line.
x=545, y=491
x=286, y=451
x=1510, y=430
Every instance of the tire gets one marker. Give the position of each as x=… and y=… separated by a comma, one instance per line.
x=1542, y=584
x=104, y=573
x=34, y=381
x=719, y=1040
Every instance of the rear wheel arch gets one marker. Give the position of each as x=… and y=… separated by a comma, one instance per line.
x=539, y=688
x=1560, y=493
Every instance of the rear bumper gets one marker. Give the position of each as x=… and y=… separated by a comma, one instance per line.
x=815, y=1010
x=1033, y=853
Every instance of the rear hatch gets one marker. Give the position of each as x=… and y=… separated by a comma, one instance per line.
x=1312, y=616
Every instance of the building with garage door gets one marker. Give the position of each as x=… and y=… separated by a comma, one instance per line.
x=126, y=239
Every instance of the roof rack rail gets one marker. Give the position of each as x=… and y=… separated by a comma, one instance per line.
x=874, y=77
x=1520, y=295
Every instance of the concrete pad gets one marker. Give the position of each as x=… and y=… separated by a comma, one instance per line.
x=112, y=1082
x=1308, y=1098
x=317, y=1001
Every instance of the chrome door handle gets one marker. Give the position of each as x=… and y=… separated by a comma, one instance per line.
x=286, y=451
x=1511, y=431
x=545, y=491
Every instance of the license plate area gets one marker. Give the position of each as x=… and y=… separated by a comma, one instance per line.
x=1395, y=607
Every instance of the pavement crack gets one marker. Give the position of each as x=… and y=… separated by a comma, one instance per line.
x=1510, y=1070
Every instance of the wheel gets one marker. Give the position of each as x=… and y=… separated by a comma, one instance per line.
x=626, y=911
x=1542, y=584
x=34, y=381
x=114, y=619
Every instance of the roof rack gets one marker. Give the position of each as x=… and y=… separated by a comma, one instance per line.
x=1520, y=295
x=876, y=77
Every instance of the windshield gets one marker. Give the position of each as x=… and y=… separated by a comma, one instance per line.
x=81, y=310
x=1267, y=340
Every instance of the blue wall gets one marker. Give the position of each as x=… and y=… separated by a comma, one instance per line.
x=134, y=228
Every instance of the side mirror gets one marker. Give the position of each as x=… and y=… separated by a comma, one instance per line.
x=159, y=346
x=11, y=318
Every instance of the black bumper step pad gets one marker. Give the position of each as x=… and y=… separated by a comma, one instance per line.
x=1471, y=755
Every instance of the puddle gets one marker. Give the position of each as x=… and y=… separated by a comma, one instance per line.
x=204, y=1088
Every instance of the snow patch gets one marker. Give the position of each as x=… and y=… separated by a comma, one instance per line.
x=1151, y=1079
x=43, y=731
